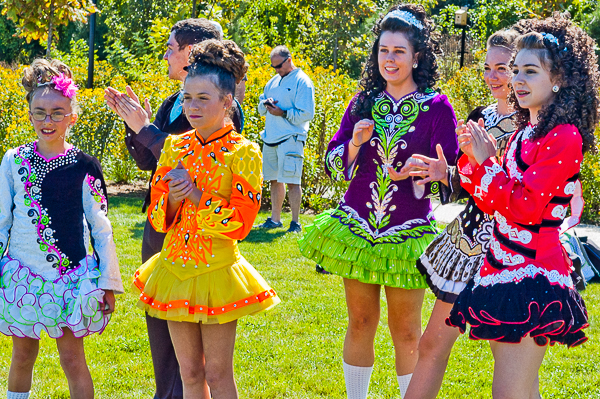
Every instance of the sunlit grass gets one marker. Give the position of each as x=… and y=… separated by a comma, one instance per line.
x=294, y=351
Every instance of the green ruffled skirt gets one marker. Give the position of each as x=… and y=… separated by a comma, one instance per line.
x=331, y=244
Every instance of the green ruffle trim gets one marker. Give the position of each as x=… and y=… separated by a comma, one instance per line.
x=331, y=244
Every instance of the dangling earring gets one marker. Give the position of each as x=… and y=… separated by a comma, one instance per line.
x=555, y=88
x=415, y=65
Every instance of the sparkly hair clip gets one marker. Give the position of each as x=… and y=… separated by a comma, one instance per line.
x=65, y=85
x=405, y=16
x=550, y=37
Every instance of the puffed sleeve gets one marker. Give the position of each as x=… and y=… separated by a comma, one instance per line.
x=7, y=193
x=159, y=191
x=95, y=207
x=336, y=157
x=233, y=219
x=443, y=133
x=523, y=201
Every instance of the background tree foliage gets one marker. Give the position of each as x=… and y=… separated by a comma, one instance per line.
x=38, y=19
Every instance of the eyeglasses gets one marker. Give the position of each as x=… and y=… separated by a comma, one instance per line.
x=280, y=65
x=40, y=116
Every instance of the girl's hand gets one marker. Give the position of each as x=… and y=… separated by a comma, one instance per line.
x=430, y=169
x=464, y=138
x=363, y=130
x=181, y=185
x=109, y=302
x=483, y=143
x=410, y=165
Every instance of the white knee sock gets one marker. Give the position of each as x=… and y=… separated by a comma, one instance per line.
x=403, y=381
x=357, y=381
x=17, y=395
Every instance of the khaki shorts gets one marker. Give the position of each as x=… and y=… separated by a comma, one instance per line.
x=283, y=162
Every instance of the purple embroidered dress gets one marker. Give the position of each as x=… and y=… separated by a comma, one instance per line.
x=49, y=210
x=381, y=227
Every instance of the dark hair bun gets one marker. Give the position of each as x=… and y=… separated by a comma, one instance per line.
x=222, y=54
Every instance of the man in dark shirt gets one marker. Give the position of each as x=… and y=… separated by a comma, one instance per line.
x=144, y=141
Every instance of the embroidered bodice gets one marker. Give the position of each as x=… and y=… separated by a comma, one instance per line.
x=375, y=207
x=227, y=168
x=529, y=195
x=49, y=208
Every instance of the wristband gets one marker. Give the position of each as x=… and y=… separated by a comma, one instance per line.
x=357, y=146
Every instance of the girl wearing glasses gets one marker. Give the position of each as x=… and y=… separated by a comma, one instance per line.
x=384, y=223
x=51, y=193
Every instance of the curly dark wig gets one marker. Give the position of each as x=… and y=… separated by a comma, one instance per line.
x=424, y=43
x=572, y=64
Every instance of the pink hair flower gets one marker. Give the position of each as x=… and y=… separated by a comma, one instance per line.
x=65, y=85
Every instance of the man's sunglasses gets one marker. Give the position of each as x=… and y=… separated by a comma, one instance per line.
x=280, y=65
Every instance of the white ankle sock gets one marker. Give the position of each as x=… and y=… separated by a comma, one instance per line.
x=403, y=381
x=357, y=381
x=17, y=395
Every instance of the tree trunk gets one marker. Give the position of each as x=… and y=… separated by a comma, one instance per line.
x=50, y=18
x=335, y=52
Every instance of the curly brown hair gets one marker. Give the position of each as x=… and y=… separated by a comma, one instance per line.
x=222, y=61
x=572, y=64
x=424, y=42
x=37, y=78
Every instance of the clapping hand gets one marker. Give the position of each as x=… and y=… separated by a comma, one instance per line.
x=129, y=108
x=464, y=138
x=181, y=185
x=483, y=143
x=430, y=169
x=412, y=164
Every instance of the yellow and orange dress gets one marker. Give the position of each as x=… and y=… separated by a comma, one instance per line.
x=200, y=275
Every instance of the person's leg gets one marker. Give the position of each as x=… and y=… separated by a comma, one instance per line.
x=362, y=301
x=277, y=198
x=295, y=195
x=187, y=341
x=219, y=343
x=404, y=322
x=24, y=354
x=166, y=369
x=435, y=346
x=516, y=368
x=535, y=389
x=72, y=361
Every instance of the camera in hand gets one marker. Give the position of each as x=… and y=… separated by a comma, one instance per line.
x=269, y=103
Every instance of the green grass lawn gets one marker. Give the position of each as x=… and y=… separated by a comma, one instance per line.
x=295, y=350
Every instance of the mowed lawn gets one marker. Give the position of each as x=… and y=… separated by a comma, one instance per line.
x=294, y=351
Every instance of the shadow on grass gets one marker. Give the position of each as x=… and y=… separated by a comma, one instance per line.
x=127, y=199
x=137, y=230
x=261, y=235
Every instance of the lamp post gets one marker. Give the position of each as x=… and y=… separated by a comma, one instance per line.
x=461, y=18
x=90, y=78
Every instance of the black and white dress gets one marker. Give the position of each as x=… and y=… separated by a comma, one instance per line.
x=453, y=257
x=51, y=210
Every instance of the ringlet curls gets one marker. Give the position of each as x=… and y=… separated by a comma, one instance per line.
x=222, y=61
x=412, y=20
x=43, y=75
x=567, y=52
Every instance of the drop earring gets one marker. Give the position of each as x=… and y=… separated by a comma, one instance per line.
x=555, y=88
x=415, y=65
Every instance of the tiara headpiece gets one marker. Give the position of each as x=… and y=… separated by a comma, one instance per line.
x=405, y=16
